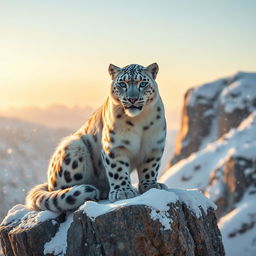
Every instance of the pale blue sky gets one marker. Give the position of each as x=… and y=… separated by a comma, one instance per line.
x=59, y=51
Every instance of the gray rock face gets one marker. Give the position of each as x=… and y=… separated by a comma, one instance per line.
x=235, y=178
x=212, y=109
x=127, y=230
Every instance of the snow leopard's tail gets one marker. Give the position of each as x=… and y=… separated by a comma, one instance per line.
x=68, y=199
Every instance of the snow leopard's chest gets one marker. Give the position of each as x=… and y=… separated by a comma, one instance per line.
x=138, y=136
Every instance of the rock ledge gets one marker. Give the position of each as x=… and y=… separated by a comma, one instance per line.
x=174, y=222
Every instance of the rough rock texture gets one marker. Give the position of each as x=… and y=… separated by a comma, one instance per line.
x=235, y=178
x=127, y=230
x=212, y=109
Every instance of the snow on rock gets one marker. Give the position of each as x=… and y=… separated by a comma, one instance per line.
x=158, y=219
x=238, y=228
x=194, y=200
x=240, y=94
x=20, y=212
x=58, y=244
x=150, y=198
x=195, y=171
x=213, y=109
x=157, y=200
x=159, y=208
x=209, y=91
x=15, y=214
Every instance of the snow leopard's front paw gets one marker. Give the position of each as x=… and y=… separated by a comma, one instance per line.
x=122, y=193
x=151, y=184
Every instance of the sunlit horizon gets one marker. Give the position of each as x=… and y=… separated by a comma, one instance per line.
x=57, y=53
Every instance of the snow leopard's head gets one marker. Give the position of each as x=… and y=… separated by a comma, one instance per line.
x=134, y=86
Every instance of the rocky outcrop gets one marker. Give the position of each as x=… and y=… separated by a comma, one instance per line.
x=217, y=146
x=212, y=109
x=156, y=223
x=234, y=179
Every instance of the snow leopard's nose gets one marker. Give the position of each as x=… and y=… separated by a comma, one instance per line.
x=132, y=100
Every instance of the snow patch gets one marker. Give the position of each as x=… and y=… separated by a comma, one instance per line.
x=240, y=94
x=206, y=92
x=162, y=217
x=15, y=214
x=58, y=244
x=33, y=218
x=157, y=200
x=20, y=212
x=194, y=200
x=238, y=228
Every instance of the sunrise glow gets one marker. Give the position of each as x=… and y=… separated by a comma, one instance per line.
x=58, y=52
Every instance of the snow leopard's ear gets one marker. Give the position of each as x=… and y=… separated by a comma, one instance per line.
x=152, y=69
x=113, y=70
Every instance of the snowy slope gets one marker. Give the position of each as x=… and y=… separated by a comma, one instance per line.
x=238, y=227
x=240, y=94
x=25, y=149
x=195, y=171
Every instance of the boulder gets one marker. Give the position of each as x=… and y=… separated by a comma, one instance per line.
x=174, y=222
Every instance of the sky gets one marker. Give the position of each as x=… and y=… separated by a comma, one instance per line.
x=58, y=52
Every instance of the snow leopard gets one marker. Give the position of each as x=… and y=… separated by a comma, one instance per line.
x=126, y=133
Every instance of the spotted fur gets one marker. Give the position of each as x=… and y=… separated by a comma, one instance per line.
x=126, y=133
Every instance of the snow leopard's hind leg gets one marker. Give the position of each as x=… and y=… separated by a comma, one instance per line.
x=70, y=174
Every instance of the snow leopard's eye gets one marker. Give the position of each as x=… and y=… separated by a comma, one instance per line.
x=122, y=85
x=143, y=84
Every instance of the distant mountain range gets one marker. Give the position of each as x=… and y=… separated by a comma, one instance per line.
x=25, y=149
x=55, y=116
